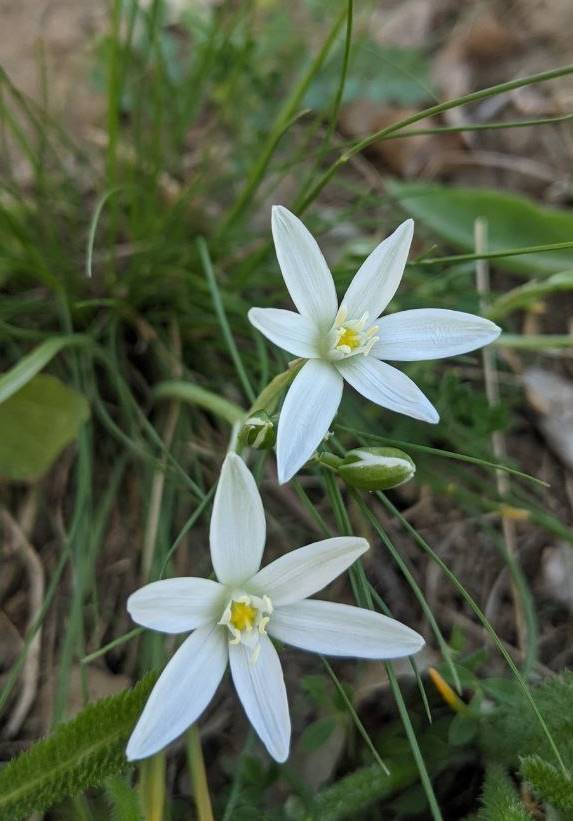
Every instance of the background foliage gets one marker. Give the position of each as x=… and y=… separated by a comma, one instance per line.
x=132, y=245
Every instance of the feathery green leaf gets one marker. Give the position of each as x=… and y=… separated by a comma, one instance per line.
x=81, y=753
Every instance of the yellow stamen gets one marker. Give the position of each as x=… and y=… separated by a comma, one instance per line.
x=242, y=615
x=518, y=514
x=350, y=338
x=450, y=697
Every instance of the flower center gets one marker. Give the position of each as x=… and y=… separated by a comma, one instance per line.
x=349, y=337
x=242, y=615
x=246, y=618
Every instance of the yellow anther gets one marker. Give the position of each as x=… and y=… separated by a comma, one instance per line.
x=242, y=615
x=517, y=514
x=450, y=697
x=350, y=338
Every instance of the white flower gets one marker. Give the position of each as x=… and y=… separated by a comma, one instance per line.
x=232, y=619
x=349, y=342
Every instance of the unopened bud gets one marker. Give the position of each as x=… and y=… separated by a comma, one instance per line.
x=259, y=431
x=376, y=468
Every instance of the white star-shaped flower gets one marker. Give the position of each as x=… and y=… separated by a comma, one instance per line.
x=349, y=342
x=233, y=618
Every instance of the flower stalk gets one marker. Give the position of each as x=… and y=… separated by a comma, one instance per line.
x=198, y=775
x=152, y=787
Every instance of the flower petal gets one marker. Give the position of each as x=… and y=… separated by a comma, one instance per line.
x=183, y=690
x=177, y=605
x=343, y=630
x=309, y=408
x=431, y=333
x=260, y=686
x=304, y=269
x=238, y=527
x=387, y=386
x=291, y=331
x=305, y=571
x=378, y=277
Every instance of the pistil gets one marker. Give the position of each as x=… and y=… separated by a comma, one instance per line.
x=350, y=337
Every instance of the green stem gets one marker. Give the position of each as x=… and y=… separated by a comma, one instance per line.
x=534, y=342
x=414, y=586
x=282, y=122
x=110, y=646
x=444, y=454
x=269, y=396
x=235, y=791
x=414, y=746
x=359, y=725
x=222, y=317
x=329, y=460
x=419, y=539
x=198, y=775
x=511, y=252
x=152, y=787
x=390, y=130
x=319, y=156
x=469, y=127
x=195, y=395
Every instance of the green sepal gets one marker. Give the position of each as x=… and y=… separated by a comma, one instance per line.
x=376, y=468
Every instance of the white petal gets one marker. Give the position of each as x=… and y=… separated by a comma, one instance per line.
x=387, y=386
x=343, y=630
x=309, y=408
x=304, y=269
x=305, y=571
x=261, y=688
x=238, y=527
x=294, y=333
x=177, y=605
x=431, y=333
x=182, y=692
x=378, y=277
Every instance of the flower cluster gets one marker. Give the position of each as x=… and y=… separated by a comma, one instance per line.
x=233, y=618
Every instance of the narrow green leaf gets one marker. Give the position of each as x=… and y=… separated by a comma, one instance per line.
x=30, y=365
x=37, y=423
x=317, y=733
x=529, y=294
x=195, y=395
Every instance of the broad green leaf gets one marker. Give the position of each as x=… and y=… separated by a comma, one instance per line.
x=513, y=222
x=463, y=729
x=37, y=422
x=30, y=365
x=380, y=73
x=317, y=733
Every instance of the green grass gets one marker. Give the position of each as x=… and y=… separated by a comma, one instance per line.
x=128, y=270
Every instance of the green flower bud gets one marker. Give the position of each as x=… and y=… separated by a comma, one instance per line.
x=376, y=468
x=258, y=431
